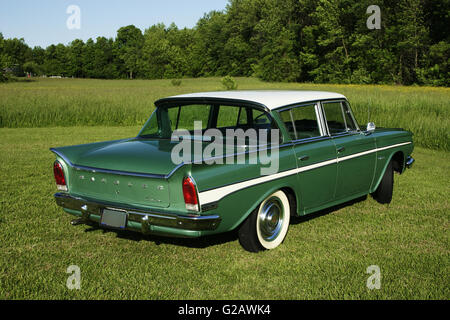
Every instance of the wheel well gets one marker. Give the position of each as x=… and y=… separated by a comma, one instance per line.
x=398, y=161
x=292, y=199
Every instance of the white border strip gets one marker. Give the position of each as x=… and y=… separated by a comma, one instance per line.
x=214, y=195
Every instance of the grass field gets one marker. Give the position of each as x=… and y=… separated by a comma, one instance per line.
x=80, y=102
x=324, y=256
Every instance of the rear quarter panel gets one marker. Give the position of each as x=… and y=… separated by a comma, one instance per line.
x=234, y=207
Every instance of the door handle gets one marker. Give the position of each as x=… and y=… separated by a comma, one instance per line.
x=340, y=149
x=303, y=158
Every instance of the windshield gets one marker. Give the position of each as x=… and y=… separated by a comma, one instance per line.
x=193, y=121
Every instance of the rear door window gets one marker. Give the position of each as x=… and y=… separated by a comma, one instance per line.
x=301, y=122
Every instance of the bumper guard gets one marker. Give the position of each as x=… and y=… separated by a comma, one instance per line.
x=145, y=217
x=409, y=162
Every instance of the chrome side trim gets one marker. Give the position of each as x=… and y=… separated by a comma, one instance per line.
x=121, y=173
x=145, y=217
x=62, y=156
x=308, y=140
x=253, y=149
x=161, y=176
x=117, y=172
x=216, y=194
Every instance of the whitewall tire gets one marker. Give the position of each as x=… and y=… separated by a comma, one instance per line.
x=267, y=226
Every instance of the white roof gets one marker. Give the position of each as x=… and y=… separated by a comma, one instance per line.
x=272, y=99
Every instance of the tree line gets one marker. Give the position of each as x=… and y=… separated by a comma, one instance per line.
x=323, y=41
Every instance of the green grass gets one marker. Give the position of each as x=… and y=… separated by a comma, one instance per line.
x=323, y=257
x=81, y=102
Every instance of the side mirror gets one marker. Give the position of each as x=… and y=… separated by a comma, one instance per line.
x=370, y=127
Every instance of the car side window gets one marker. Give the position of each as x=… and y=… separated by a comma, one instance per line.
x=184, y=117
x=261, y=120
x=227, y=116
x=349, y=119
x=338, y=117
x=301, y=122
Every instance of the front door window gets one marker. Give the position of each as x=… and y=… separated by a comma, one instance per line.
x=339, y=118
x=301, y=122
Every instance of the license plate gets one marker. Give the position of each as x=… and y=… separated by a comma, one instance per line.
x=113, y=219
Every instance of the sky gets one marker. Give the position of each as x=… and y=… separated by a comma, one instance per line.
x=45, y=22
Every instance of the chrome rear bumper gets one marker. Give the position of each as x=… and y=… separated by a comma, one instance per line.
x=409, y=162
x=146, y=218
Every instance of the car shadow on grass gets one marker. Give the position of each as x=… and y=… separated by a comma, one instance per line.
x=302, y=219
x=212, y=240
x=202, y=242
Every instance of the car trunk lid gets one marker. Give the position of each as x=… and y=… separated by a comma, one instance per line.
x=131, y=171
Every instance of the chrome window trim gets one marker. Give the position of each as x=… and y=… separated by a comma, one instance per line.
x=293, y=123
x=292, y=106
x=299, y=104
x=343, y=116
x=317, y=111
x=323, y=123
x=352, y=115
x=309, y=140
x=319, y=119
x=347, y=132
x=145, y=124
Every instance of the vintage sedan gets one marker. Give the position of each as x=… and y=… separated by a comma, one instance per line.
x=207, y=163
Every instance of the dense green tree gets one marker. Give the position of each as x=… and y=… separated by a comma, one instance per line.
x=38, y=56
x=13, y=54
x=31, y=68
x=275, y=40
x=163, y=53
x=209, y=42
x=105, y=59
x=75, y=52
x=436, y=70
x=129, y=43
x=277, y=37
x=56, y=60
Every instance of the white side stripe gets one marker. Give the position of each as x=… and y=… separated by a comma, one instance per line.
x=214, y=195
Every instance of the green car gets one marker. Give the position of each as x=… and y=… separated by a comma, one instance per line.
x=207, y=163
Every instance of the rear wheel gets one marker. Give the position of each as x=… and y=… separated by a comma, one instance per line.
x=267, y=225
x=383, y=194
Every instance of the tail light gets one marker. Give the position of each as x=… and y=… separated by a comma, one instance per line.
x=59, y=176
x=190, y=194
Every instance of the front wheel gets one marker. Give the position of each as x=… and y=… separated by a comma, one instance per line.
x=383, y=194
x=267, y=225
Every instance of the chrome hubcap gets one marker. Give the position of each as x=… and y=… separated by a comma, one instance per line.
x=271, y=219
